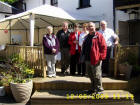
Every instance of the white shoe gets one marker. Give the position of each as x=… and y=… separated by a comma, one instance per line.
x=54, y=75
x=50, y=76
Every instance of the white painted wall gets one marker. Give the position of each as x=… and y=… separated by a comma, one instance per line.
x=99, y=10
x=35, y=3
x=32, y=3
x=2, y=16
x=47, y=1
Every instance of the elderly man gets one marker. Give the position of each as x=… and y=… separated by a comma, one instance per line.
x=94, y=51
x=63, y=36
x=111, y=39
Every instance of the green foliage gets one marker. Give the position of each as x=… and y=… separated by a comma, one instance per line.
x=127, y=55
x=21, y=71
x=6, y=78
x=132, y=58
x=18, y=72
x=136, y=67
x=133, y=85
x=1, y=84
x=9, y=1
x=16, y=58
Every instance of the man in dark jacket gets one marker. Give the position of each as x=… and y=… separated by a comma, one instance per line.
x=63, y=36
x=94, y=49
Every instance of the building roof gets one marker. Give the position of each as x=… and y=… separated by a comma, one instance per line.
x=5, y=8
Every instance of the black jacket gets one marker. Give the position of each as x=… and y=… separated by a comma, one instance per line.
x=63, y=38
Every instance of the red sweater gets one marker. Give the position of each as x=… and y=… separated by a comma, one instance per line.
x=73, y=45
x=98, y=49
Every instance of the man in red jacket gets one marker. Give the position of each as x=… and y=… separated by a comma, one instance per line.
x=94, y=51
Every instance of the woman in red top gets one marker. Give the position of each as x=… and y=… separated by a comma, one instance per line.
x=75, y=50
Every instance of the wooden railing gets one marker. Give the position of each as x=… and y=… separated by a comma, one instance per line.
x=33, y=56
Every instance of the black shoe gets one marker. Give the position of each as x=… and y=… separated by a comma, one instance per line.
x=83, y=74
x=90, y=92
x=99, y=93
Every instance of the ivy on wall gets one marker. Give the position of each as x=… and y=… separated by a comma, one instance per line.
x=9, y=1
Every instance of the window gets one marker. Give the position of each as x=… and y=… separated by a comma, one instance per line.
x=54, y=3
x=84, y=4
x=44, y=1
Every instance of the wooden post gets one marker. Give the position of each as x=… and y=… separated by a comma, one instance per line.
x=115, y=60
x=43, y=63
x=10, y=32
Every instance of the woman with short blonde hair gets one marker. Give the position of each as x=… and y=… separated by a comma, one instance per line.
x=51, y=46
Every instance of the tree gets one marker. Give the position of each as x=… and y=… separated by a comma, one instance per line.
x=9, y=1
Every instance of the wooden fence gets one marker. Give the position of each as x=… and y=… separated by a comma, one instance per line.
x=33, y=56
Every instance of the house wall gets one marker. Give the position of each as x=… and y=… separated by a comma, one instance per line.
x=2, y=16
x=99, y=10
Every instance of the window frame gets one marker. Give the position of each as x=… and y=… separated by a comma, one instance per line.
x=54, y=3
x=44, y=1
x=81, y=4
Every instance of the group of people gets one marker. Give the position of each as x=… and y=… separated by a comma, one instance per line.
x=87, y=50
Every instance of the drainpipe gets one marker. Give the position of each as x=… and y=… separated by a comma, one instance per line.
x=114, y=16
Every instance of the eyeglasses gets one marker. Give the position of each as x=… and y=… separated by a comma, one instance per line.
x=102, y=24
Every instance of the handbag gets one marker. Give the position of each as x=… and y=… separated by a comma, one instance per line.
x=58, y=56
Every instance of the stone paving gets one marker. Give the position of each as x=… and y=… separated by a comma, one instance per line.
x=10, y=101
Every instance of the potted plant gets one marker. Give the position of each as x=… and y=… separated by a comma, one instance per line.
x=127, y=58
x=126, y=69
x=2, y=91
x=21, y=85
x=124, y=65
x=6, y=78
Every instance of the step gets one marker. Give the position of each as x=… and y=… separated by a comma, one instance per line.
x=61, y=97
x=76, y=83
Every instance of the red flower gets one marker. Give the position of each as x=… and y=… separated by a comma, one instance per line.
x=6, y=31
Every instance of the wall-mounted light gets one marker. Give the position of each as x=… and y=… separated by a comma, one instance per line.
x=133, y=15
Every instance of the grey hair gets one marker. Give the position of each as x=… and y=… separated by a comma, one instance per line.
x=65, y=22
x=49, y=27
x=91, y=23
x=103, y=21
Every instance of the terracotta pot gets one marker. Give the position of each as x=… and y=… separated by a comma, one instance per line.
x=125, y=69
x=22, y=91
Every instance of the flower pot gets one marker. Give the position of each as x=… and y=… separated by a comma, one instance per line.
x=2, y=91
x=8, y=91
x=126, y=70
x=22, y=91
